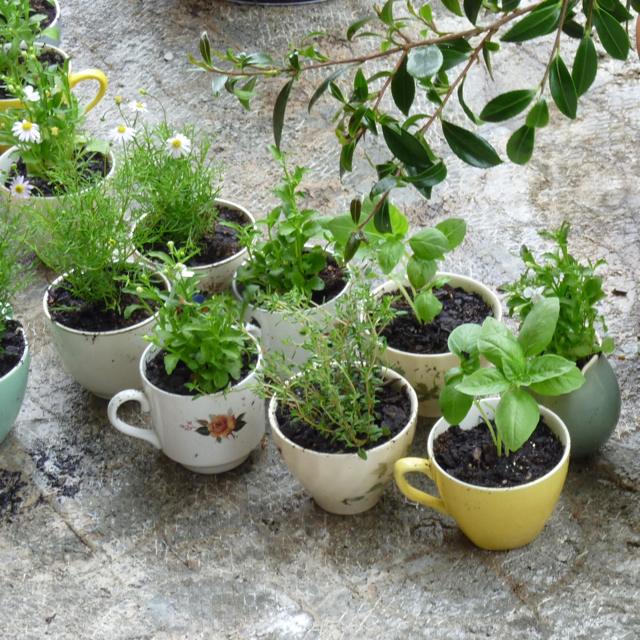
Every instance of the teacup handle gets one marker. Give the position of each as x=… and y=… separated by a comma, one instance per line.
x=90, y=74
x=112, y=410
x=409, y=465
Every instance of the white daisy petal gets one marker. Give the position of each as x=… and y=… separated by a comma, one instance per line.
x=26, y=131
x=30, y=94
x=122, y=134
x=138, y=107
x=179, y=146
x=20, y=188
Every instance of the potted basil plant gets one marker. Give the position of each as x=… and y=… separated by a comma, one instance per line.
x=591, y=413
x=499, y=463
x=416, y=338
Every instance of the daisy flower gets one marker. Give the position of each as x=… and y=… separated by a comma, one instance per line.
x=20, y=188
x=179, y=146
x=122, y=134
x=138, y=107
x=30, y=94
x=26, y=131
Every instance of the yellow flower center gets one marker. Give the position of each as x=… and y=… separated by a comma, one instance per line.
x=176, y=144
x=122, y=128
x=19, y=189
x=54, y=131
x=139, y=105
x=118, y=99
x=27, y=126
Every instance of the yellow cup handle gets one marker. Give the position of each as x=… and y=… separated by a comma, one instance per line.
x=90, y=74
x=409, y=465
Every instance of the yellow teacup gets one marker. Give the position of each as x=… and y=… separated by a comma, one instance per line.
x=74, y=79
x=494, y=519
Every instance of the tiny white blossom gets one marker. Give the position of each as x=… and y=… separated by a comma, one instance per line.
x=30, y=94
x=179, y=146
x=181, y=271
x=122, y=134
x=20, y=188
x=138, y=107
x=535, y=295
x=26, y=131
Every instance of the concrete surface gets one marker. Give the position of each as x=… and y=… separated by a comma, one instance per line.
x=101, y=536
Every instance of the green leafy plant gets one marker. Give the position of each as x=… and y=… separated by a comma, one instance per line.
x=413, y=54
x=336, y=389
x=356, y=234
x=13, y=276
x=519, y=366
x=19, y=28
x=46, y=129
x=204, y=334
x=177, y=177
x=87, y=238
x=576, y=287
x=283, y=261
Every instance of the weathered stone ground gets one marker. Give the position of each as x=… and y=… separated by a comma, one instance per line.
x=101, y=536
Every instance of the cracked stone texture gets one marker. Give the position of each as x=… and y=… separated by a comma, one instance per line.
x=101, y=536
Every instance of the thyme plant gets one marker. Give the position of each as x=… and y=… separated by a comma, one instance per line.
x=576, y=287
x=335, y=391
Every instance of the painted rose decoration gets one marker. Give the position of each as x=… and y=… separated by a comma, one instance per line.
x=220, y=426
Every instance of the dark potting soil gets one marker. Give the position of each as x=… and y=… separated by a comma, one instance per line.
x=335, y=280
x=157, y=375
x=93, y=166
x=214, y=247
x=43, y=7
x=73, y=312
x=12, y=347
x=458, y=307
x=393, y=406
x=48, y=58
x=472, y=457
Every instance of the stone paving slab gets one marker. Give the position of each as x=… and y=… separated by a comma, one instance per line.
x=101, y=536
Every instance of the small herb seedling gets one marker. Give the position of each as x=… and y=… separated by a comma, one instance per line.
x=283, y=261
x=577, y=289
x=519, y=366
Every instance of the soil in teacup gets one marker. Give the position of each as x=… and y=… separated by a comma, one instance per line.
x=43, y=7
x=92, y=167
x=471, y=456
x=156, y=373
x=394, y=409
x=405, y=333
x=47, y=57
x=215, y=246
x=73, y=312
x=335, y=280
x=11, y=347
